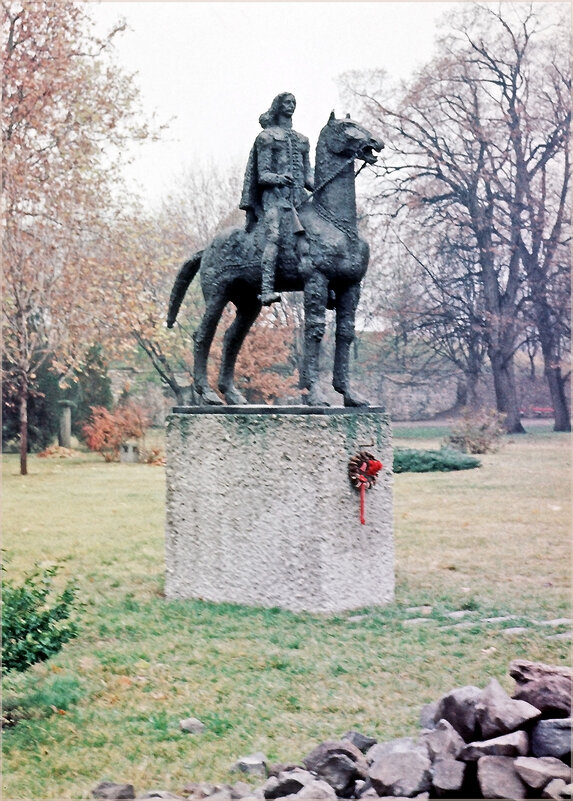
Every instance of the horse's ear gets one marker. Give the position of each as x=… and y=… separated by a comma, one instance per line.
x=332, y=117
x=348, y=116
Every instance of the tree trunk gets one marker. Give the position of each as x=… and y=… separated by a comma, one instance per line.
x=467, y=390
x=549, y=348
x=24, y=426
x=505, y=392
x=556, y=385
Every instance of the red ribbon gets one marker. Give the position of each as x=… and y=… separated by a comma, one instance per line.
x=369, y=468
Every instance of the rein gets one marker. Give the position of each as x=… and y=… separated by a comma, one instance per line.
x=326, y=215
x=334, y=175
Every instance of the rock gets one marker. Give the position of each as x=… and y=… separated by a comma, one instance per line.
x=459, y=614
x=254, y=764
x=515, y=631
x=404, y=773
x=508, y=745
x=552, y=737
x=458, y=708
x=287, y=783
x=497, y=713
x=545, y=686
x=339, y=763
x=443, y=742
x=447, y=776
x=536, y=772
x=498, y=779
x=370, y=792
x=317, y=789
x=241, y=790
x=112, y=790
x=270, y=787
x=280, y=767
x=161, y=794
x=197, y=791
x=224, y=794
x=192, y=725
x=555, y=789
x=402, y=745
x=361, y=741
x=428, y=715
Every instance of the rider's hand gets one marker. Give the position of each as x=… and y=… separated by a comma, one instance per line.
x=286, y=179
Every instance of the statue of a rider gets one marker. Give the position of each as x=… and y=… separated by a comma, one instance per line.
x=277, y=175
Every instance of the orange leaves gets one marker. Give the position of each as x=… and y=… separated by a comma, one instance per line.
x=63, y=131
x=108, y=430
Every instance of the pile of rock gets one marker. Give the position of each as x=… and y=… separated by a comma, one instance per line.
x=474, y=743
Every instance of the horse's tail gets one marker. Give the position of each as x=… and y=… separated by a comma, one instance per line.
x=184, y=277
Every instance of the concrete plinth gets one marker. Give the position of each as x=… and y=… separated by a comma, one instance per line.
x=260, y=509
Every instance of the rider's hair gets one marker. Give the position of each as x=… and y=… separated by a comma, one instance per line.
x=270, y=117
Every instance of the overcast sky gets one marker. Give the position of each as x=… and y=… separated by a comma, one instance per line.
x=216, y=66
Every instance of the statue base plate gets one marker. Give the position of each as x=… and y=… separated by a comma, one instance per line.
x=260, y=509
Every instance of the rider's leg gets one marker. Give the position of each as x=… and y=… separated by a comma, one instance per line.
x=306, y=266
x=315, y=297
x=270, y=256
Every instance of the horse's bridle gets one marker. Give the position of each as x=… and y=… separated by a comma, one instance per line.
x=346, y=229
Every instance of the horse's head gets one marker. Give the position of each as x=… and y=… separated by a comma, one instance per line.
x=348, y=138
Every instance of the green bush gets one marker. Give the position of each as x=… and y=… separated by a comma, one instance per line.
x=478, y=431
x=35, y=619
x=409, y=460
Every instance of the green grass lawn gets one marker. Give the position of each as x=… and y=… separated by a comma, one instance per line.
x=492, y=541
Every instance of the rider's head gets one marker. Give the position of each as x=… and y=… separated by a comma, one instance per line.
x=283, y=104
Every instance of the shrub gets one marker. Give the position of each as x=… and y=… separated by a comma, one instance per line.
x=409, y=460
x=478, y=431
x=35, y=623
x=108, y=430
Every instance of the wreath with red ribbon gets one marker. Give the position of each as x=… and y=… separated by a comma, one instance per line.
x=362, y=471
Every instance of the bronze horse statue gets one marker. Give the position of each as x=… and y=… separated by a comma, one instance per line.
x=230, y=270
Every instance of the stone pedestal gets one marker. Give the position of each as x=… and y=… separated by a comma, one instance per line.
x=260, y=509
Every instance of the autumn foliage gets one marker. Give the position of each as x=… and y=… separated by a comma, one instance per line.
x=107, y=430
x=67, y=114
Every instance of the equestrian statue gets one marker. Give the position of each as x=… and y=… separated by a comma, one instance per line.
x=292, y=241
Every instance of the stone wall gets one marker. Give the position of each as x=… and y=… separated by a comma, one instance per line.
x=415, y=398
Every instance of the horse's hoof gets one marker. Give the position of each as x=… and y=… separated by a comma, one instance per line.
x=235, y=398
x=353, y=400
x=209, y=398
x=315, y=399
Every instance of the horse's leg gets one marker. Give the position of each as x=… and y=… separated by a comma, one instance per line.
x=346, y=304
x=247, y=313
x=203, y=338
x=315, y=299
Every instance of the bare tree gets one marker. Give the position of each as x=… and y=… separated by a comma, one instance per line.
x=470, y=152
